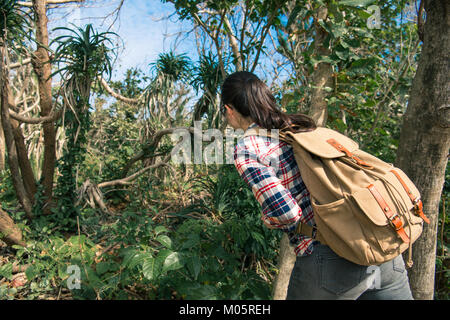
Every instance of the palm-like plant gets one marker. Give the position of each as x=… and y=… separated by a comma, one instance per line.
x=13, y=23
x=207, y=77
x=84, y=52
x=165, y=94
x=86, y=56
x=173, y=66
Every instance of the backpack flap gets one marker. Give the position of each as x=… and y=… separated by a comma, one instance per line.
x=318, y=143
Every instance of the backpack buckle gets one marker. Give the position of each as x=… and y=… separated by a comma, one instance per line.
x=395, y=222
x=418, y=209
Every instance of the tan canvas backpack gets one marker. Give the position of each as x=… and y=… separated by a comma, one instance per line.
x=366, y=210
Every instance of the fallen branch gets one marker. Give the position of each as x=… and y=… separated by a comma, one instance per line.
x=92, y=194
x=127, y=180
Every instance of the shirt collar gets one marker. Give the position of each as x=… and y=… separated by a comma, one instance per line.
x=252, y=125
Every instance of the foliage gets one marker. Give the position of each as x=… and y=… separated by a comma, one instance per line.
x=130, y=256
x=84, y=51
x=372, y=68
x=175, y=67
x=86, y=56
x=14, y=23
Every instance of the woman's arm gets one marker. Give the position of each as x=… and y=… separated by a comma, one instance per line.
x=279, y=209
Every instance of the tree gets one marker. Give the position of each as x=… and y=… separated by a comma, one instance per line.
x=85, y=56
x=43, y=69
x=425, y=138
x=13, y=31
x=231, y=36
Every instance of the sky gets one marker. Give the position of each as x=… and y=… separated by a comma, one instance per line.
x=144, y=27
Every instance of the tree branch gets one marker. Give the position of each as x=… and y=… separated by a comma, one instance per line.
x=117, y=95
x=20, y=64
x=127, y=180
x=46, y=119
x=155, y=141
x=234, y=44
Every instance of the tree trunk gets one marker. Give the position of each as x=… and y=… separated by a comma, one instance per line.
x=2, y=148
x=13, y=161
x=323, y=72
x=27, y=174
x=9, y=232
x=286, y=263
x=42, y=67
x=425, y=138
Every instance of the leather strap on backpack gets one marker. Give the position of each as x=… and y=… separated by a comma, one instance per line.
x=418, y=206
x=341, y=148
x=393, y=218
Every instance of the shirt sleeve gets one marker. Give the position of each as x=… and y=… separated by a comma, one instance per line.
x=279, y=208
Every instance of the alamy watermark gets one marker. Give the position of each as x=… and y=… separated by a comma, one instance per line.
x=374, y=278
x=211, y=146
x=374, y=21
x=74, y=280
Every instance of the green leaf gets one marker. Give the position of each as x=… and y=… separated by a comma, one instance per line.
x=165, y=241
x=137, y=259
x=6, y=271
x=102, y=267
x=161, y=257
x=160, y=229
x=194, y=266
x=172, y=262
x=258, y=237
x=149, y=268
x=31, y=272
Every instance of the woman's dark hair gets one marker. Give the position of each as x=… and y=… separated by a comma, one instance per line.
x=251, y=97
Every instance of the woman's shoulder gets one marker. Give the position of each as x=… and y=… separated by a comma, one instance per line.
x=260, y=145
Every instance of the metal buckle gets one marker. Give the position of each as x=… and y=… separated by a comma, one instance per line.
x=417, y=206
x=392, y=222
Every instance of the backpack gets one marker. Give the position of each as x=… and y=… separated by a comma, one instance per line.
x=366, y=210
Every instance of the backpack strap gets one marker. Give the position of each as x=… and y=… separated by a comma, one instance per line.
x=418, y=206
x=266, y=133
x=341, y=148
x=393, y=218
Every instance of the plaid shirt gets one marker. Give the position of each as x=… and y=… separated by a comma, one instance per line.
x=269, y=168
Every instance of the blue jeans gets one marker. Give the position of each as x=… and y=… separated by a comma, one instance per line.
x=324, y=275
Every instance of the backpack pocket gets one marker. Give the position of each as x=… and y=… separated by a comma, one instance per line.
x=358, y=228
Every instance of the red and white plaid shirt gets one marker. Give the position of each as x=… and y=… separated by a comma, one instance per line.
x=268, y=166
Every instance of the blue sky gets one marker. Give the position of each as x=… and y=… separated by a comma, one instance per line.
x=140, y=26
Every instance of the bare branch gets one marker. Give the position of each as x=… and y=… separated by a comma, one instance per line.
x=155, y=141
x=117, y=95
x=127, y=180
x=20, y=64
x=49, y=118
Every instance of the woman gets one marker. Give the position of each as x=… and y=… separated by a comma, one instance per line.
x=268, y=166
